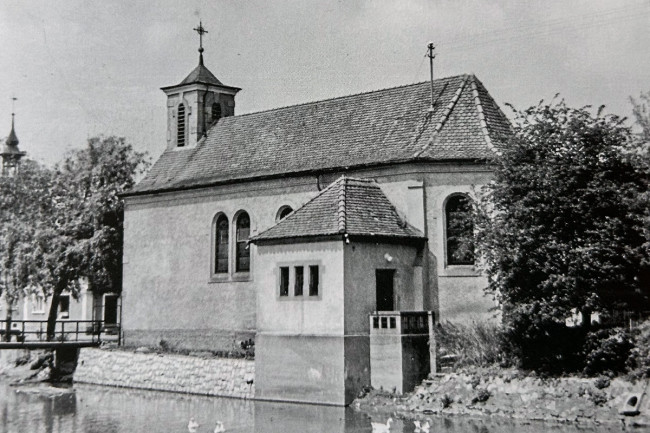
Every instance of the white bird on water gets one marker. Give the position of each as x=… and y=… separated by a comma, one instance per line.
x=378, y=427
x=422, y=427
x=192, y=425
x=219, y=428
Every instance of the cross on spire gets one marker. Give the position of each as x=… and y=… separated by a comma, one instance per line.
x=201, y=31
x=13, y=105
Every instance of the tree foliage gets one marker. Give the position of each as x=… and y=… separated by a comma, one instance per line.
x=23, y=198
x=65, y=225
x=560, y=228
x=84, y=237
x=639, y=154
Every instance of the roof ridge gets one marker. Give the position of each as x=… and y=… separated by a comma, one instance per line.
x=445, y=115
x=481, y=115
x=341, y=217
x=352, y=95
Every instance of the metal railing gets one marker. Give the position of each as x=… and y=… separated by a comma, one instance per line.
x=401, y=322
x=70, y=331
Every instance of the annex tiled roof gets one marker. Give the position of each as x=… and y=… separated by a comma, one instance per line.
x=349, y=206
x=380, y=127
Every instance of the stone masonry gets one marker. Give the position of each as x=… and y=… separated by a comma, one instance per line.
x=167, y=372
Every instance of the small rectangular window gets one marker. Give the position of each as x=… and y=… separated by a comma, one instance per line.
x=284, y=281
x=64, y=306
x=38, y=305
x=313, y=281
x=299, y=280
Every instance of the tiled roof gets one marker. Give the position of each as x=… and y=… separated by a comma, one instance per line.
x=201, y=74
x=380, y=127
x=355, y=207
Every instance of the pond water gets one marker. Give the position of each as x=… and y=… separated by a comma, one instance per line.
x=92, y=409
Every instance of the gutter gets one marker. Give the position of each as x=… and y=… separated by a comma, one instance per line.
x=313, y=172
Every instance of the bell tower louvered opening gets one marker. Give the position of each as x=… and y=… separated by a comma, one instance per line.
x=180, y=128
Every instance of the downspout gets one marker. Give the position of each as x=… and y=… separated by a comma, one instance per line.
x=426, y=293
x=204, y=130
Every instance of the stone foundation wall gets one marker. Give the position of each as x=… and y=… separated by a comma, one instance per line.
x=177, y=373
x=187, y=339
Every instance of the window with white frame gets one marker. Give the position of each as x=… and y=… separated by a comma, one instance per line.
x=298, y=280
x=64, y=306
x=38, y=304
x=221, y=245
x=284, y=281
x=459, y=230
x=282, y=213
x=243, y=252
x=313, y=280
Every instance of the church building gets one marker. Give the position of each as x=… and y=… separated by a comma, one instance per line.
x=292, y=226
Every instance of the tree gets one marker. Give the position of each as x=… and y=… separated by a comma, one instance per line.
x=641, y=111
x=82, y=235
x=23, y=199
x=639, y=153
x=560, y=228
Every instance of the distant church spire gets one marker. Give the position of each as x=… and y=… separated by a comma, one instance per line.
x=12, y=140
x=10, y=154
x=200, y=30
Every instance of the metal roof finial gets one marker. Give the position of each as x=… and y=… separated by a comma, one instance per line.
x=12, y=140
x=431, y=56
x=201, y=31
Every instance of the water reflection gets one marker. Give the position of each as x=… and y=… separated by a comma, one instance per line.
x=89, y=409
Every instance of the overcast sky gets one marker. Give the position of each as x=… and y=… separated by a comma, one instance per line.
x=81, y=68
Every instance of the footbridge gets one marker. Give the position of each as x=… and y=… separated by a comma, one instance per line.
x=32, y=334
x=68, y=338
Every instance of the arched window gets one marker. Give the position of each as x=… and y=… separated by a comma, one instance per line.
x=460, y=230
x=282, y=213
x=216, y=112
x=180, y=128
x=243, y=262
x=221, y=245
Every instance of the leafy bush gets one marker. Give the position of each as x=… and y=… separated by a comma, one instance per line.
x=598, y=398
x=639, y=361
x=446, y=401
x=540, y=343
x=478, y=344
x=164, y=345
x=602, y=382
x=482, y=395
x=563, y=227
x=607, y=350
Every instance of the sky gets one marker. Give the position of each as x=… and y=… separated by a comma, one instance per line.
x=80, y=69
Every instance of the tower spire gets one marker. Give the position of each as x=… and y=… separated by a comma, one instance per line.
x=12, y=140
x=10, y=153
x=200, y=30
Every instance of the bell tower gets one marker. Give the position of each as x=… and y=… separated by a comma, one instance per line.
x=196, y=103
x=11, y=155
